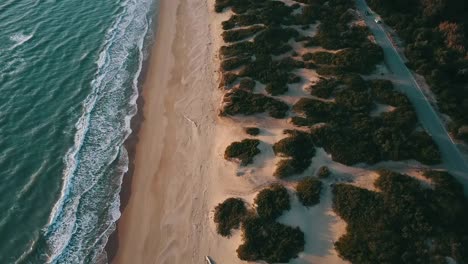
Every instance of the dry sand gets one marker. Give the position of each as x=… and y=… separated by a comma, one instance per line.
x=177, y=162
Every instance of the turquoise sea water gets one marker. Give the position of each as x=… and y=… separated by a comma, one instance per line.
x=68, y=87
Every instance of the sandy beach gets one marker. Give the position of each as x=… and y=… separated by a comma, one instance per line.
x=176, y=169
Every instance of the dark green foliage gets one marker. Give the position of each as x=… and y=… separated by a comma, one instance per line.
x=276, y=74
x=361, y=60
x=241, y=49
x=229, y=215
x=276, y=88
x=232, y=63
x=395, y=224
x=299, y=148
x=240, y=34
x=271, y=202
x=243, y=102
x=290, y=166
x=351, y=136
x=324, y=88
x=263, y=238
x=322, y=57
x=383, y=92
x=253, y=131
x=436, y=37
x=307, y=56
x=302, y=121
x=323, y=172
x=320, y=111
x=308, y=191
x=228, y=79
x=244, y=151
x=270, y=241
x=247, y=84
x=352, y=100
x=297, y=144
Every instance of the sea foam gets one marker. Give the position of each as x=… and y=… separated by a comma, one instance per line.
x=88, y=207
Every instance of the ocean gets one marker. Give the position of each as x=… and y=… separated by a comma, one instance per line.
x=68, y=89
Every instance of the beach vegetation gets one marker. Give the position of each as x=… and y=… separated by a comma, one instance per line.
x=324, y=88
x=352, y=136
x=238, y=101
x=396, y=223
x=229, y=215
x=298, y=149
x=323, y=172
x=241, y=34
x=247, y=84
x=308, y=191
x=253, y=131
x=244, y=151
x=271, y=202
x=270, y=241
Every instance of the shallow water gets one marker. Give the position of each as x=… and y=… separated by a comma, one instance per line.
x=68, y=89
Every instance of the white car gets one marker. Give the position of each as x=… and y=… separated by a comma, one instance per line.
x=378, y=21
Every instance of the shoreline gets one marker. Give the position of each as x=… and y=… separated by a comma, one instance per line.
x=174, y=170
x=130, y=145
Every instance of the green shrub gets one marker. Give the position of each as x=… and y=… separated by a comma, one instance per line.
x=247, y=84
x=383, y=92
x=240, y=34
x=229, y=215
x=243, y=102
x=297, y=145
x=323, y=172
x=308, y=191
x=243, y=151
x=253, y=131
x=324, y=87
x=320, y=111
x=394, y=224
x=291, y=166
x=302, y=121
x=233, y=63
x=271, y=202
x=270, y=241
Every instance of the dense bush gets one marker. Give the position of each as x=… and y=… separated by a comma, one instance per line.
x=299, y=148
x=361, y=60
x=395, y=224
x=308, y=191
x=242, y=33
x=244, y=151
x=239, y=101
x=323, y=172
x=270, y=241
x=229, y=215
x=247, y=84
x=383, y=92
x=303, y=121
x=271, y=202
x=352, y=136
x=297, y=144
x=253, y=131
x=320, y=111
x=324, y=87
x=290, y=166
x=233, y=63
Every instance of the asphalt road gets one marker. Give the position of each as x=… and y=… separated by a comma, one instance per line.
x=451, y=155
